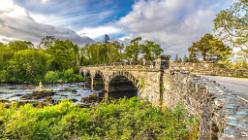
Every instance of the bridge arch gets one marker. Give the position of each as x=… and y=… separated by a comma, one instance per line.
x=122, y=84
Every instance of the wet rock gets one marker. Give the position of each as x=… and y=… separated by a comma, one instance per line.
x=74, y=91
x=38, y=95
x=49, y=99
x=91, y=98
x=18, y=95
x=73, y=100
x=4, y=101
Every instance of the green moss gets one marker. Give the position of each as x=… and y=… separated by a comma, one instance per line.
x=141, y=83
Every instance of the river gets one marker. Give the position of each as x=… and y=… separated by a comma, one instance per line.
x=72, y=91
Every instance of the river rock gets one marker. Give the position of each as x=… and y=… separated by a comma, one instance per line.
x=4, y=101
x=90, y=99
x=38, y=95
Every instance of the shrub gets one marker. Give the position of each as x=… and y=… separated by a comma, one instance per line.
x=3, y=75
x=70, y=76
x=52, y=77
x=120, y=119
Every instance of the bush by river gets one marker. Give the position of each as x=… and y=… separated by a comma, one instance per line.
x=118, y=119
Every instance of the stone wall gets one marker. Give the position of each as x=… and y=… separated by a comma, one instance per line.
x=209, y=69
x=222, y=115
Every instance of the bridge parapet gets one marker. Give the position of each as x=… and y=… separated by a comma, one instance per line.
x=121, y=67
x=222, y=114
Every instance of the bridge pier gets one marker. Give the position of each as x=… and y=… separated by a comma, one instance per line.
x=106, y=91
x=92, y=83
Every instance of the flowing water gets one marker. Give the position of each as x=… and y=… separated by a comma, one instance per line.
x=73, y=91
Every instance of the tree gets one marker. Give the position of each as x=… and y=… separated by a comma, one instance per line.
x=65, y=55
x=100, y=53
x=178, y=59
x=231, y=25
x=5, y=55
x=151, y=50
x=20, y=45
x=210, y=49
x=47, y=41
x=106, y=38
x=28, y=66
x=185, y=59
x=133, y=50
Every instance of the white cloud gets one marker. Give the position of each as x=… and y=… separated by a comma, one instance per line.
x=8, y=8
x=49, y=19
x=15, y=22
x=5, y=39
x=174, y=24
x=99, y=31
x=45, y=1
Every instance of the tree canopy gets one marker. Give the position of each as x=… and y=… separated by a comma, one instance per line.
x=231, y=25
x=110, y=52
x=57, y=60
x=209, y=49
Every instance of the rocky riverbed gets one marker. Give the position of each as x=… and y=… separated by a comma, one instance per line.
x=75, y=92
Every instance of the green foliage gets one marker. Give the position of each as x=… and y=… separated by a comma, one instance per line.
x=70, y=76
x=21, y=63
x=28, y=66
x=6, y=53
x=141, y=83
x=231, y=25
x=52, y=77
x=100, y=53
x=65, y=55
x=58, y=60
x=20, y=45
x=210, y=49
x=151, y=50
x=120, y=119
x=62, y=77
x=133, y=50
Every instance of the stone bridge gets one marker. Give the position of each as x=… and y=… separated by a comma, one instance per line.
x=221, y=114
x=129, y=80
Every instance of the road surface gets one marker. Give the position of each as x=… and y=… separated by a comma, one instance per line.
x=237, y=85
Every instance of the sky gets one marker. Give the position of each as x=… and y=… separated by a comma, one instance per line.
x=174, y=24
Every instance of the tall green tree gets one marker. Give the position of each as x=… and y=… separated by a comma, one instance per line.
x=232, y=25
x=5, y=55
x=210, y=49
x=20, y=45
x=100, y=53
x=151, y=50
x=133, y=50
x=65, y=55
